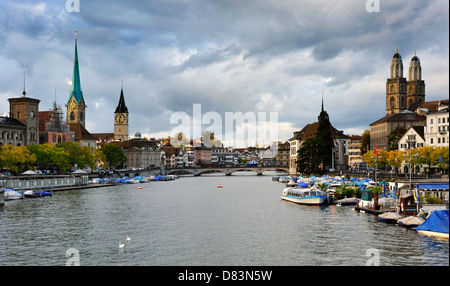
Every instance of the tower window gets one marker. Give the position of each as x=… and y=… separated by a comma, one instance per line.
x=72, y=116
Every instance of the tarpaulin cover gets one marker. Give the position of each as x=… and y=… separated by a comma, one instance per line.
x=437, y=222
x=302, y=184
x=433, y=186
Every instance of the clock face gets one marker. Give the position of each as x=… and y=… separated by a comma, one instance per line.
x=72, y=105
x=120, y=118
x=32, y=114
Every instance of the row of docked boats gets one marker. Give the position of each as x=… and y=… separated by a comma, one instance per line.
x=11, y=194
x=435, y=224
x=305, y=190
x=133, y=180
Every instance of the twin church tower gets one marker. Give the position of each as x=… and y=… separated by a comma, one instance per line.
x=76, y=106
x=402, y=94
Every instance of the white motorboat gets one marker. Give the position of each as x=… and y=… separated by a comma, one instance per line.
x=10, y=194
x=306, y=196
x=291, y=183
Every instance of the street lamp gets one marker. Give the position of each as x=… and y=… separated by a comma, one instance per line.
x=376, y=160
x=410, y=143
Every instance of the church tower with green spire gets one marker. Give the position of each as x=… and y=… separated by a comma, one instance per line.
x=76, y=107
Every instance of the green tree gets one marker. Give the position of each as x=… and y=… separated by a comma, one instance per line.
x=80, y=156
x=51, y=157
x=365, y=142
x=308, y=158
x=114, y=156
x=395, y=135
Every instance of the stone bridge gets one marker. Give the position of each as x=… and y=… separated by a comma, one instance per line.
x=190, y=171
x=225, y=170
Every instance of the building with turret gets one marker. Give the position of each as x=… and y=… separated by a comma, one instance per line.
x=403, y=98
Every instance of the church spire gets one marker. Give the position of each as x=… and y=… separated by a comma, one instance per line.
x=121, y=107
x=323, y=116
x=76, y=91
x=322, y=101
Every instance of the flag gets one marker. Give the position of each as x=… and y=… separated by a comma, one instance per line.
x=376, y=150
x=440, y=158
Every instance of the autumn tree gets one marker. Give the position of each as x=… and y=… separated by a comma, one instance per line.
x=16, y=159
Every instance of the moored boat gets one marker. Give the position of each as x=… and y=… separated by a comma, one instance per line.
x=435, y=225
x=390, y=217
x=411, y=221
x=10, y=194
x=305, y=196
x=347, y=202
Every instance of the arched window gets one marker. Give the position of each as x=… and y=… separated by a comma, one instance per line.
x=392, y=102
x=72, y=116
x=402, y=102
x=392, y=88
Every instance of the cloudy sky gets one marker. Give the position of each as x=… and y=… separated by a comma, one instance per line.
x=227, y=55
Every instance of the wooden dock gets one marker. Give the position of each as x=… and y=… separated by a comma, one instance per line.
x=89, y=186
x=369, y=210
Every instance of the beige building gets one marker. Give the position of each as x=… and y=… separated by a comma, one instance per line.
x=354, y=150
x=12, y=131
x=380, y=129
x=283, y=154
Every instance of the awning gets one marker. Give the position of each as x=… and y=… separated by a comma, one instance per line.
x=433, y=187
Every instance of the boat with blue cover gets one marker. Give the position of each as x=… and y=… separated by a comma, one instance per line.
x=436, y=224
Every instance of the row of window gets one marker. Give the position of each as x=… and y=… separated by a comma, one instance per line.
x=439, y=120
x=7, y=136
x=303, y=194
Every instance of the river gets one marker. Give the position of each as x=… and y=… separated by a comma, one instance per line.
x=191, y=222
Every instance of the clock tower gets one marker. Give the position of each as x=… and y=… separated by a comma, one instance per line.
x=121, y=119
x=26, y=110
x=76, y=107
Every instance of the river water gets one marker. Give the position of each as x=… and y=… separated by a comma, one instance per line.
x=191, y=222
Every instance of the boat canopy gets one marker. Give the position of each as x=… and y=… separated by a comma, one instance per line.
x=437, y=222
x=427, y=187
x=302, y=185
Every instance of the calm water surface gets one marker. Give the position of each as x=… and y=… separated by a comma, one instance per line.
x=190, y=221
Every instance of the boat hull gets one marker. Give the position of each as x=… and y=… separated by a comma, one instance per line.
x=12, y=195
x=434, y=233
x=313, y=200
